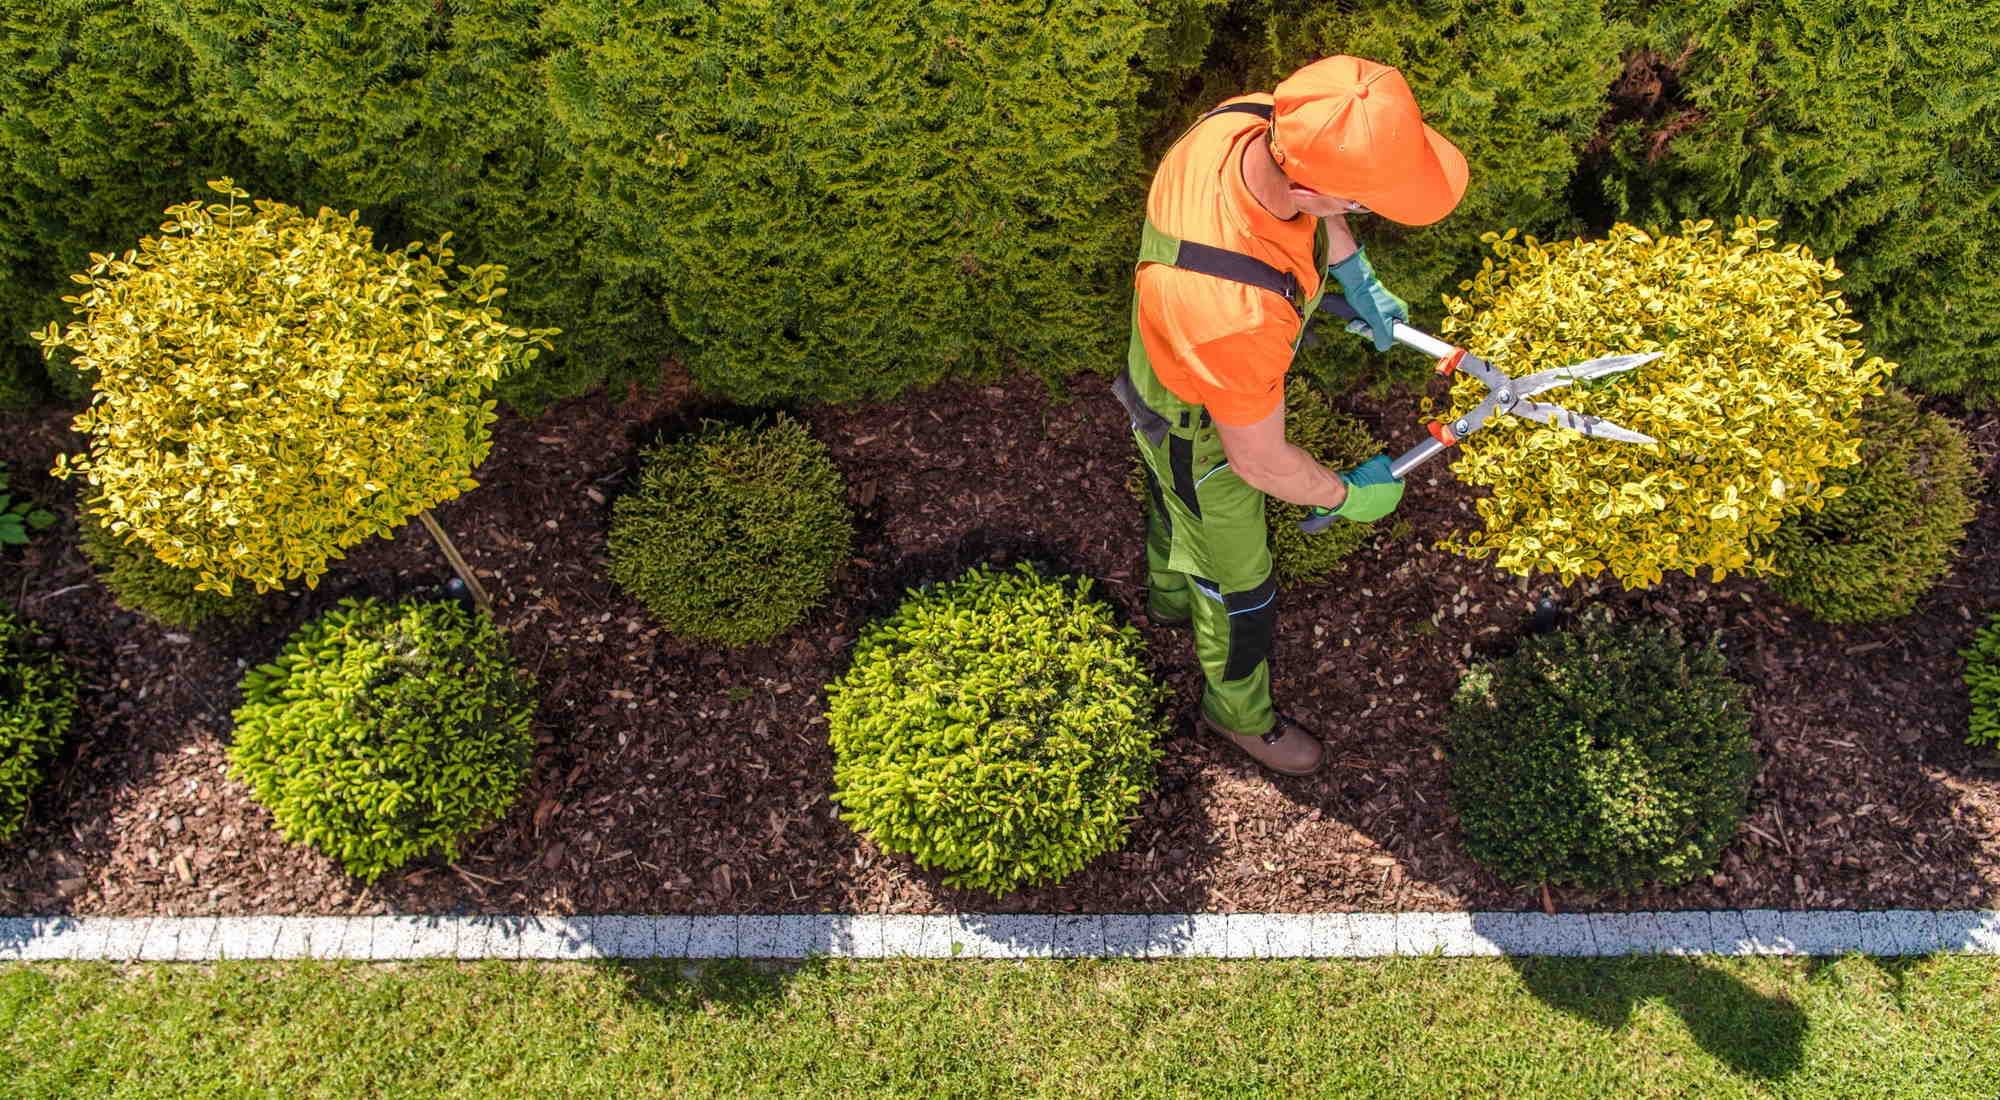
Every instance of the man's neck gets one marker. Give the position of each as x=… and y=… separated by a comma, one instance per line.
x=1267, y=183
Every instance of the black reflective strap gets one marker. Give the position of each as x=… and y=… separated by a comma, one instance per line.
x=1159, y=502
x=1261, y=110
x=1180, y=457
x=1224, y=264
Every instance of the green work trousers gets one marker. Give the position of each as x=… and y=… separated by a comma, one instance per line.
x=1208, y=559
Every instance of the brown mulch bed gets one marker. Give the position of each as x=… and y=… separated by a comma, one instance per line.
x=675, y=778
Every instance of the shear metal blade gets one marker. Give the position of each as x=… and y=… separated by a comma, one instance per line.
x=1581, y=372
x=1578, y=422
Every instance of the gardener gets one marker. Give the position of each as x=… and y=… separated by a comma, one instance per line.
x=1226, y=276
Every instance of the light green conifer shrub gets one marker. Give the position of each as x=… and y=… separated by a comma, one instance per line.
x=385, y=732
x=1000, y=728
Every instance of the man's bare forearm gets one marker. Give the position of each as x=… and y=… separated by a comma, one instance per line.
x=1296, y=478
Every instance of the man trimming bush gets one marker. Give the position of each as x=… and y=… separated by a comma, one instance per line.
x=1227, y=274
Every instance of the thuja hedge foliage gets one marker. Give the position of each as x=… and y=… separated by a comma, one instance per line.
x=1866, y=127
x=430, y=118
x=1872, y=552
x=1609, y=756
x=384, y=732
x=849, y=197
x=1000, y=727
x=1517, y=87
x=733, y=533
x=269, y=388
x=96, y=138
x=38, y=690
x=1754, y=402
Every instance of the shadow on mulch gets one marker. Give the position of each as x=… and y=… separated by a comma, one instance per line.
x=1754, y=1035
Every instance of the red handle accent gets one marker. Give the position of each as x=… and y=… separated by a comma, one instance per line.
x=1450, y=362
x=1442, y=434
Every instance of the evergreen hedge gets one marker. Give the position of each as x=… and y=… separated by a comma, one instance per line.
x=431, y=118
x=846, y=198
x=98, y=135
x=1867, y=128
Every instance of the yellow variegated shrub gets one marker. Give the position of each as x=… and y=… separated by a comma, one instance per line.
x=1753, y=402
x=270, y=388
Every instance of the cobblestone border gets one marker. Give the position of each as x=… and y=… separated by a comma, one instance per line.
x=974, y=936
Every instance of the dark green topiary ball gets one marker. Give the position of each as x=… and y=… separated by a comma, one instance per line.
x=37, y=704
x=1875, y=550
x=140, y=581
x=1339, y=442
x=385, y=732
x=732, y=535
x=1982, y=680
x=1608, y=756
x=1000, y=728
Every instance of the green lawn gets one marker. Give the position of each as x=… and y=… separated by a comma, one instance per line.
x=1415, y=1028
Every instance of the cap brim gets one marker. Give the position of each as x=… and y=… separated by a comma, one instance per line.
x=1429, y=196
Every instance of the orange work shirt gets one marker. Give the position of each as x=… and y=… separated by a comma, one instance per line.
x=1216, y=342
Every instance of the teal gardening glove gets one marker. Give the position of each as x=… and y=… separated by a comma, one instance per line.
x=1378, y=308
x=1372, y=492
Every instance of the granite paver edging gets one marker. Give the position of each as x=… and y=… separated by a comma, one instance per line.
x=975, y=936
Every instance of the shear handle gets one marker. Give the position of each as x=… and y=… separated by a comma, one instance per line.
x=1339, y=306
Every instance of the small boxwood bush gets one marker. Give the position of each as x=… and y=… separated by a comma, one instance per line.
x=139, y=581
x=1982, y=678
x=37, y=704
x=1873, y=551
x=1608, y=756
x=732, y=534
x=1000, y=728
x=385, y=732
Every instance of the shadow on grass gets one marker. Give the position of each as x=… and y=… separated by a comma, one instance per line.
x=734, y=987
x=1755, y=1035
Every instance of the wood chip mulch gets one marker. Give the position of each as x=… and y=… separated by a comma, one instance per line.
x=674, y=778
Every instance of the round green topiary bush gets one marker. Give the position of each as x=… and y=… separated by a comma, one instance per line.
x=139, y=581
x=732, y=535
x=1608, y=756
x=385, y=731
x=999, y=728
x=1982, y=679
x=1896, y=527
x=37, y=704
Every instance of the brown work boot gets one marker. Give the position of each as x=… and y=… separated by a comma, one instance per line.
x=1288, y=749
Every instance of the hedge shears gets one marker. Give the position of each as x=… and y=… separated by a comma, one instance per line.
x=1503, y=395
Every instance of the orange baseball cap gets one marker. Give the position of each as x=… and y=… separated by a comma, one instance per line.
x=1347, y=126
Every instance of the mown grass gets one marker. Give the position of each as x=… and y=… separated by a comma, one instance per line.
x=1641, y=1027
